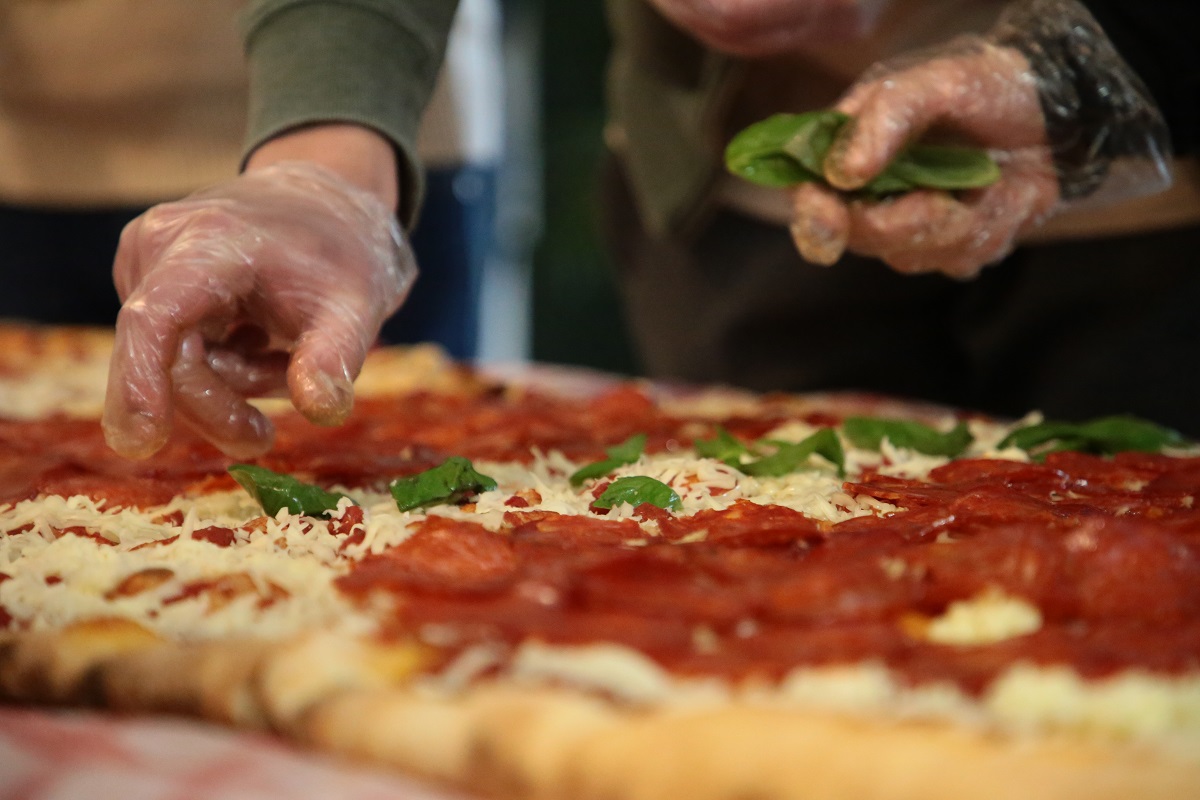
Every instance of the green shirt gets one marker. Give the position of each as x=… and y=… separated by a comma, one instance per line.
x=372, y=62
x=667, y=98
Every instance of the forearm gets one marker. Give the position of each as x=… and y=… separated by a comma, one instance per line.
x=1096, y=108
x=359, y=155
x=368, y=63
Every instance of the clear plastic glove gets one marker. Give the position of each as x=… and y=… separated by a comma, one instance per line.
x=1064, y=116
x=280, y=278
x=770, y=27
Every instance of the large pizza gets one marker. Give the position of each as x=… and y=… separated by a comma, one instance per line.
x=608, y=589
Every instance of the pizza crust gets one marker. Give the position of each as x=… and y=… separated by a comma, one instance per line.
x=58, y=666
x=354, y=696
x=64, y=369
x=557, y=744
x=214, y=681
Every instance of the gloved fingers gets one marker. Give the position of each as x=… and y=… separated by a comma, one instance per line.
x=313, y=263
x=261, y=374
x=127, y=262
x=170, y=229
x=149, y=331
x=325, y=361
x=957, y=236
x=927, y=221
x=214, y=410
x=330, y=352
x=970, y=89
x=138, y=398
x=820, y=224
x=885, y=116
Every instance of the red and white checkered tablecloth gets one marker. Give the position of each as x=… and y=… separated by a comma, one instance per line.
x=73, y=755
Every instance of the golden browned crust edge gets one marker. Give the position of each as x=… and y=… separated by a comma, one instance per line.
x=555, y=744
x=74, y=361
x=349, y=697
x=58, y=666
x=28, y=346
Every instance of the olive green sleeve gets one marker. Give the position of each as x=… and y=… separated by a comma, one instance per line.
x=370, y=62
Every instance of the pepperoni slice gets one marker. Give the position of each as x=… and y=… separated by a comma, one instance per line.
x=661, y=582
x=571, y=530
x=745, y=524
x=839, y=590
x=115, y=491
x=442, y=555
x=221, y=537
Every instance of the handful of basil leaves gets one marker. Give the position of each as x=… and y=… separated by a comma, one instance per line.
x=789, y=149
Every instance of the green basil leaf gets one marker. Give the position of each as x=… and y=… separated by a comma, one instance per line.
x=814, y=135
x=1123, y=432
x=1031, y=436
x=638, y=489
x=757, y=155
x=869, y=433
x=886, y=183
x=774, y=171
x=274, y=490
x=947, y=167
x=619, y=455
x=788, y=149
x=451, y=482
x=1102, y=436
x=724, y=446
x=791, y=457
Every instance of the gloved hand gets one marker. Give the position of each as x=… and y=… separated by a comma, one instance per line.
x=1045, y=90
x=770, y=27
x=279, y=278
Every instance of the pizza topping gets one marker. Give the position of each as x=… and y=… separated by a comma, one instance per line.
x=216, y=534
x=789, y=457
x=758, y=562
x=988, y=618
x=636, y=490
x=109, y=491
x=619, y=672
x=217, y=593
x=1103, y=436
x=724, y=446
x=570, y=530
x=783, y=457
x=442, y=555
x=788, y=149
x=451, y=482
x=149, y=561
x=141, y=581
x=348, y=520
x=274, y=492
x=1130, y=705
x=870, y=432
x=619, y=455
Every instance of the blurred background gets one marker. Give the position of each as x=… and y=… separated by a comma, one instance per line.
x=547, y=292
x=101, y=119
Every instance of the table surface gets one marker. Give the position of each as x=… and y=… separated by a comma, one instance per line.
x=70, y=755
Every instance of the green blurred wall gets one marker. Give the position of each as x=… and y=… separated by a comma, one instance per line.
x=576, y=314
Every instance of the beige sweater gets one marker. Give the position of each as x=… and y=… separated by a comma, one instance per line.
x=129, y=102
x=118, y=102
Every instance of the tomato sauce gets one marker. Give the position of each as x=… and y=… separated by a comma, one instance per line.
x=1107, y=548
